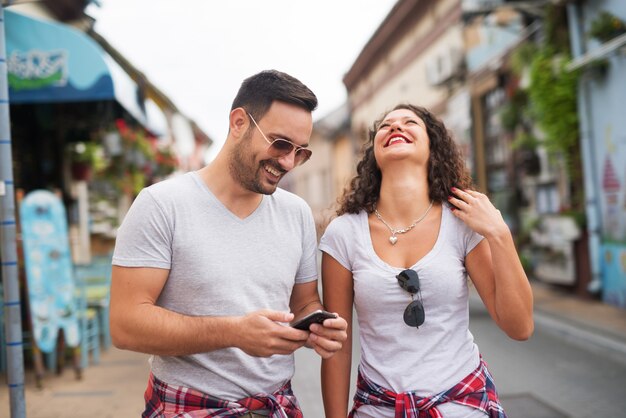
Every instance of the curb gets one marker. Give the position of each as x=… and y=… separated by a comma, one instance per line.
x=583, y=337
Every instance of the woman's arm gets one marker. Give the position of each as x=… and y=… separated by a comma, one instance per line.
x=338, y=297
x=494, y=266
x=326, y=338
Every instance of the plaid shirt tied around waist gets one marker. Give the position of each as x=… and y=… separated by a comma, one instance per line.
x=170, y=401
x=476, y=390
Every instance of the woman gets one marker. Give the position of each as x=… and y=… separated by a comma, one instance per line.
x=410, y=230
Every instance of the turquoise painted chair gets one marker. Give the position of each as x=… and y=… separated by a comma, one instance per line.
x=89, y=322
x=89, y=325
x=95, y=280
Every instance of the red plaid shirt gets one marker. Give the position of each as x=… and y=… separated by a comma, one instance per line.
x=169, y=401
x=476, y=390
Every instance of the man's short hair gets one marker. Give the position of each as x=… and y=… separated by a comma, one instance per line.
x=257, y=93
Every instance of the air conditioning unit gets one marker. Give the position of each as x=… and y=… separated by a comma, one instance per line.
x=444, y=66
x=478, y=5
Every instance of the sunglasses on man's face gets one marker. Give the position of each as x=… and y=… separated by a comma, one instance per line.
x=281, y=147
x=414, y=313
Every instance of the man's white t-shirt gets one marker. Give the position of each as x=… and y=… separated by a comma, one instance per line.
x=220, y=265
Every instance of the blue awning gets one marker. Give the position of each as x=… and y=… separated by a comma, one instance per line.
x=51, y=63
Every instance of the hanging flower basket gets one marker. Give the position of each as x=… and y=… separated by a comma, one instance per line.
x=85, y=158
x=80, y=171
x=139, y=162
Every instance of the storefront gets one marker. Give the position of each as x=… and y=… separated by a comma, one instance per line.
x=80, y=126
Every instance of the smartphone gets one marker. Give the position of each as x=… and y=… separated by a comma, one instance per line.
x=315, y=317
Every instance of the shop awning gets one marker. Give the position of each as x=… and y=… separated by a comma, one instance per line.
x=51, y=63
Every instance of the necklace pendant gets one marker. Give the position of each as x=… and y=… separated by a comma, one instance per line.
x=393, y=240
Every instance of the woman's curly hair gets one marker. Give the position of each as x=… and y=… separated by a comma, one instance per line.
x=446, y=167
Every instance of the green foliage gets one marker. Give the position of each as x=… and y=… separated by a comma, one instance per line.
x=556, y=30
x=598, y=67
x=526, y=261
x=606, y=26
x=522, y=56
x=513, y=113
x=578, y=215
x=551, y=99
x=509, y=116
x=89, y=153
x=552, y=93
x=140, y=162
x=525, y=140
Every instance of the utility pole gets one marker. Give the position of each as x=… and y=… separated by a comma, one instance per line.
x=8, y=246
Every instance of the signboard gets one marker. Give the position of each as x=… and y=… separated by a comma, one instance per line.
x=48, y=266
x=553, y=241
x=48, y=62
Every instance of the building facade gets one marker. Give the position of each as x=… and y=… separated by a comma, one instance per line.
x=598, y=37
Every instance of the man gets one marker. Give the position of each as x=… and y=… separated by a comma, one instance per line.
x=210, y=266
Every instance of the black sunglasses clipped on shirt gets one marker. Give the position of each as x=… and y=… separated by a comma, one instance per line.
x=414, y=313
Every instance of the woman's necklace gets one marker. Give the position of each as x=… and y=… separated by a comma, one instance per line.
x=393, y=239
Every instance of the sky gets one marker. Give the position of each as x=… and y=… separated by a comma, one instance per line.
x=199, y=51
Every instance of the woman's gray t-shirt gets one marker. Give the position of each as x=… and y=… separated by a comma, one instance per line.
x=220, y=265
x=441, y=352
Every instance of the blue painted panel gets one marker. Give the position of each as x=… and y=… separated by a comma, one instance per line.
x=614, y=274
x=606, y=93
x=48, y=268
x=494, y=40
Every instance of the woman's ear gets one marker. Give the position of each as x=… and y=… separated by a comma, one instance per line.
x=239, y=122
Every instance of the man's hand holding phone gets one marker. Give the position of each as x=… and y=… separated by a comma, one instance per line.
x=315, y=317
x=328, y=331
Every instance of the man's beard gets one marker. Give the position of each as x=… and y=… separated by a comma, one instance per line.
x=245, y=171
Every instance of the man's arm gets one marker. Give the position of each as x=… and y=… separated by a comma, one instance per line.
x=326, y=338
x=138, y=324
x=305, y=299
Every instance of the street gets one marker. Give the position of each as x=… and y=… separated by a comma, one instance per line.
x=549, y=376
x=501, y=116
x=545, y=377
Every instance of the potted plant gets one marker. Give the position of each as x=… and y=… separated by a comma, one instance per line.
x=165, y=161
x=85, y=158
x=130, y=170
x=606, y=26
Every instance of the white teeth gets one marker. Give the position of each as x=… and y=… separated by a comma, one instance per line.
x=395, y=139
x=272, y=171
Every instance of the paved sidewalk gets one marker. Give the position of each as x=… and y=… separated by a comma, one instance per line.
x=114, y=388
x=589, y=323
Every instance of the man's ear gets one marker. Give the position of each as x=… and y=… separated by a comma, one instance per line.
x=239, y=122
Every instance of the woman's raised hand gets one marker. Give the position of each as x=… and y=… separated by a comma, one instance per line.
x=477, y=211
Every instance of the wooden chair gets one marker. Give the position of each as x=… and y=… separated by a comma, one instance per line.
x=95, y=279
x=89, y=322
x=99, y=294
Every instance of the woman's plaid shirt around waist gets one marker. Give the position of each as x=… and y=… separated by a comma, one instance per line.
x=170, y=401
x=476, y=390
